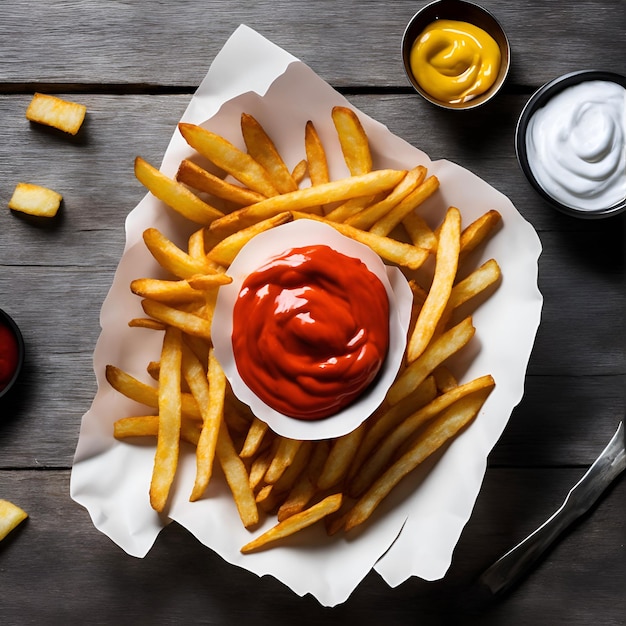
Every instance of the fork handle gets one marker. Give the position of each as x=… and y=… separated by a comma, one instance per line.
x=507, y=570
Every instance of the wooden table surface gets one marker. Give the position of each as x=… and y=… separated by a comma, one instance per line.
x=135, y=66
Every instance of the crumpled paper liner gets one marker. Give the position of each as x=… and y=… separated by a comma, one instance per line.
x=415, y=530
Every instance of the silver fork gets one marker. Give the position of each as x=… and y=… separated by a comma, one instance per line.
x=516, y=563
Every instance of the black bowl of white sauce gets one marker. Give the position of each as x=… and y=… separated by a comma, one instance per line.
x=571, y=143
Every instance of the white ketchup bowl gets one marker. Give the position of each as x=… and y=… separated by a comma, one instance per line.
x=256, y=253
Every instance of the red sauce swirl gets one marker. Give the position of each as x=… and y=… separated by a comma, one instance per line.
x=8, y=356
x=310, y=331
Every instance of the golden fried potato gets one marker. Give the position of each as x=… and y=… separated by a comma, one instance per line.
x=56, y=112
x=35, y=200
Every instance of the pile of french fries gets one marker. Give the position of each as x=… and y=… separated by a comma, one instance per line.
x=341, y=481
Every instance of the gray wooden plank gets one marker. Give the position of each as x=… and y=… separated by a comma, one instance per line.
x=57, y=567
x=179, y=39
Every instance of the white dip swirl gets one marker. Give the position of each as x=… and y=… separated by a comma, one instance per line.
x=576, y=145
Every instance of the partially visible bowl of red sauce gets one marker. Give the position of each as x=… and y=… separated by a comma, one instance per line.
x=11, y=353
x=312, y=330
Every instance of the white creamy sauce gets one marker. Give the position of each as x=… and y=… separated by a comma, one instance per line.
x=576, y=145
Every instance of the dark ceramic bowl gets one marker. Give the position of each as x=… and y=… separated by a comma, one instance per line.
x=465, y=12
x=536, y=102
x=7, y=321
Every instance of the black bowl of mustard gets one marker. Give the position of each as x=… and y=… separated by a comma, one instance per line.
x=11, y=353
x=470, y=26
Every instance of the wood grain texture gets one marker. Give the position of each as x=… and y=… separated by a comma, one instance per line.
x=135, y=66
x=171, y=43
x=57, y=567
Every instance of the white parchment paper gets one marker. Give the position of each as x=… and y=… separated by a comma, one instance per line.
x=416, y=529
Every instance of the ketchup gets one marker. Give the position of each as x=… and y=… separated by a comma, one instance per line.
x=310, y=331
x=8, y=356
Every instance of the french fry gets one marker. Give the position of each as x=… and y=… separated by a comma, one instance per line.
x=208, y=390
x=305, y=487
x=479, y=230
x=237, y=478
x=174, y=194
x=444, y=379
x=435, y=435
x=227, y=157
x=207, y=282
x=389, y=418
x=392, y=250
x=288, y=478
x=191, y=174
x=295, y=523
x=195, y=244
x=225, y=252
x=308, y=198
x=420, y=233
x=148, y=426
x=445, y=272
x=143, y=393
x=299, y=171
x=35, y=200
x=172, y=258
x=56, y=112
x=315, y=156
x=476, y=283
x=390, y=220
x=170, y=417
x=435, y=354
x=349, y=208
x=146, y=322
x=353, y=140
x=11, y=516
x=262, y=149
x=259, y=466
x=188, y=322
x=167, y=291
x=340, y=457
x=384, y=452
x=285, y=454
x=370, y=215
x=254, y=437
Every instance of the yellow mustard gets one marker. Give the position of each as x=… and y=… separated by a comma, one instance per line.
x=455, y=61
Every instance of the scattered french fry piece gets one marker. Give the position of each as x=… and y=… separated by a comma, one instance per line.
x=56, y=112
x=11, y=516
x=35, y=200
